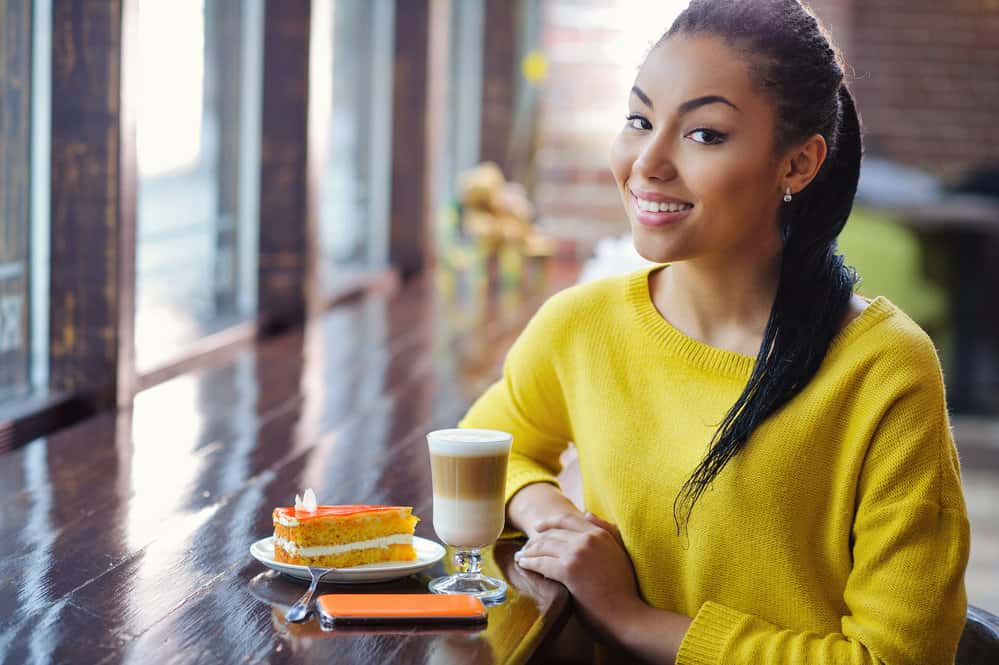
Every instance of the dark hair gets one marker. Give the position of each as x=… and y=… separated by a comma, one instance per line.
x=794, y=63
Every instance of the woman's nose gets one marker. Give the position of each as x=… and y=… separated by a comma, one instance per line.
x=655, y=161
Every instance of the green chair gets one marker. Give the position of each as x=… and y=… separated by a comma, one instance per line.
x=890, y=260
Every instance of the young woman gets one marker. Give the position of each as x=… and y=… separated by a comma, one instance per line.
x=766, y=457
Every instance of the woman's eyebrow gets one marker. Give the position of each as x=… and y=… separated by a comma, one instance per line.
x=687, y=106
x=635, y=90
x=698, y=102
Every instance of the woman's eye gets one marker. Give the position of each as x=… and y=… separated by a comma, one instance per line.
x=636, y=121
x=707, y=136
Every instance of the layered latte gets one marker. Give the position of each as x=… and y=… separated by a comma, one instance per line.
x=469, y=477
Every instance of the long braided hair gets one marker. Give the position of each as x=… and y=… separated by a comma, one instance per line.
x=794, y=63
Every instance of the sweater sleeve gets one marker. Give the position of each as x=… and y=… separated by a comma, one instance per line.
x=904, y=599
x=528, y=400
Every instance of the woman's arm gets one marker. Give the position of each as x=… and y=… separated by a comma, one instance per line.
x=654, y=635
x=536, y=502
x=587, y=555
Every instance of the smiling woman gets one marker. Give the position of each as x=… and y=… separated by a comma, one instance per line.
x=742, y=362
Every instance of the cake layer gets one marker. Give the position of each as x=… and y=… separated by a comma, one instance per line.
x=350, y=558
x=324, y=550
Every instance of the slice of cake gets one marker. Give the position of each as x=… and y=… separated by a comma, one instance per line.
x=308, y=534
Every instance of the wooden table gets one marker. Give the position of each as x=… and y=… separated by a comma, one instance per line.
x=125, y=539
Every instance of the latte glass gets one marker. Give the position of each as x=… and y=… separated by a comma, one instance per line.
x=469, y=477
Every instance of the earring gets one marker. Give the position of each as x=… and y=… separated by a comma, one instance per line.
x=787, y=195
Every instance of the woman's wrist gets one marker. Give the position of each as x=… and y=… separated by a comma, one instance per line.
x=652, y=633
x=536, y=502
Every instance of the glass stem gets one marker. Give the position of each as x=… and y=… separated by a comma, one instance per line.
x=469, y=561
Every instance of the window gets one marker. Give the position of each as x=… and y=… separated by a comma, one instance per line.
x=24, y=190
x=354, y=40
x=198, y=135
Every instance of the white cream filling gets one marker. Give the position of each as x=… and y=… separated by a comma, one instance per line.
x=287, y=521
x=326, y=550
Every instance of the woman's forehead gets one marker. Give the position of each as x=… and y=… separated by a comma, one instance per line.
x=682, y=68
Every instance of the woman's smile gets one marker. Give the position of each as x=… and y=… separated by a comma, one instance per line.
x=652, y=209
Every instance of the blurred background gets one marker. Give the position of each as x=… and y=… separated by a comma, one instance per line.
x=185, y=175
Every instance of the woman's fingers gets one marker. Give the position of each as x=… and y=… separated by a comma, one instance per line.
x=551, y=543
x=549, y=566
x=606, y=526
x=578, y=523
x=571, y=549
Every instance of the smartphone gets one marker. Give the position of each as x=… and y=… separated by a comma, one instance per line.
x=399, y=608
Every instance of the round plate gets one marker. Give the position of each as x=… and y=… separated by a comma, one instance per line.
x=427, y=554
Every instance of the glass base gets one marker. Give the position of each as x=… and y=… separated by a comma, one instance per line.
x=485, y=588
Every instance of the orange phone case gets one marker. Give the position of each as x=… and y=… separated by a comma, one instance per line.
x=399, y=608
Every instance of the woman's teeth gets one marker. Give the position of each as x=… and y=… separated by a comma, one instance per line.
x=656, y=206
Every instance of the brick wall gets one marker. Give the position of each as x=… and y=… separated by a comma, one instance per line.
x=928, y=90
x=929, y=86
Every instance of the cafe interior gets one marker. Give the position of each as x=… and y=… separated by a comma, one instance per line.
x=250, y=247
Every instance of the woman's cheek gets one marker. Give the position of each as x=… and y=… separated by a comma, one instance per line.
x=718, y=182
x=621, y=160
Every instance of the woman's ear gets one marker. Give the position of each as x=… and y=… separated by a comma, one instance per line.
x=802, y=163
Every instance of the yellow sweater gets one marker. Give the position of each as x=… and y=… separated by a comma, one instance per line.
x=837, y=535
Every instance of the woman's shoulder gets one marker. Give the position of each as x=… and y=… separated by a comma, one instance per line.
x=855, y=308
x=880, y=337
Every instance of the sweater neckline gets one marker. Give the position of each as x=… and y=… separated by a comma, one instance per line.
x=712, y=358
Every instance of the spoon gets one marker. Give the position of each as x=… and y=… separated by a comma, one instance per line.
x=300, y=610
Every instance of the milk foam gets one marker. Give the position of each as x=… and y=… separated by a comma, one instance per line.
x=468, y=522
x=469, y=442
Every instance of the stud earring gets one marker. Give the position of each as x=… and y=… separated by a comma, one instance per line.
x=787, y=195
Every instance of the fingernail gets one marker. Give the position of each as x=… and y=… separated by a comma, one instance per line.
x=516, y=555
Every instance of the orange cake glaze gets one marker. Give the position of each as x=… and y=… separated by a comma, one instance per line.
x=336, y=511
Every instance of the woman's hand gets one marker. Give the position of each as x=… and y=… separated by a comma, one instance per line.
x=587, y=555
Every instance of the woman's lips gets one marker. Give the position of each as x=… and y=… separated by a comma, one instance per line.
x=662, y=218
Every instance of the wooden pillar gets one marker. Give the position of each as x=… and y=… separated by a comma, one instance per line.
x=286, y=224
x=409, y=232
x=499, y=71
x=93, y=204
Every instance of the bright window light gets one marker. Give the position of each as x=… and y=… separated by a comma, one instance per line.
x=171, y=84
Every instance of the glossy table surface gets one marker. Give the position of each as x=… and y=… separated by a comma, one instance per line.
x=125, y=539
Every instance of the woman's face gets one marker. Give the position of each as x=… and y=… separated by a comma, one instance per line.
x=695, y=161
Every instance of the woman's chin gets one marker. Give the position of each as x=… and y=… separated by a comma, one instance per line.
x=654, y=250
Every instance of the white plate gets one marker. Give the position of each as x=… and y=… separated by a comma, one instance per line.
x=427, y=554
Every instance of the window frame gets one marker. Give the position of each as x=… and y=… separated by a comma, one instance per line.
x=93, y=205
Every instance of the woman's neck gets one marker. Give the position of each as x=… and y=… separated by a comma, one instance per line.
x=725, y=304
